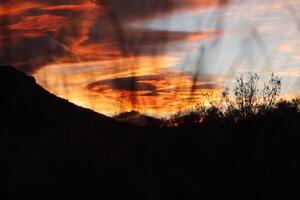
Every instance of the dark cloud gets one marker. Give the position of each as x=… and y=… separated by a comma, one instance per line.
x=151, y=94
x=132, y=83
x=142, y=42
x=112, y=24
x=137, y=41
x=132, y=9
x=34, y=51
x=139, y=83
x=39, y=36
x=62, y=2
x=206, y=86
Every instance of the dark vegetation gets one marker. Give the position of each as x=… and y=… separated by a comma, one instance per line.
x=251, y=99
x=239, y=149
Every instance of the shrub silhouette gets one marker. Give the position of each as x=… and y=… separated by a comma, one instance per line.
x=250, y=97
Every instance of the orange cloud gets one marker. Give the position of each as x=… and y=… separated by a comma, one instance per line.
x=41, y=23
x=88, y=6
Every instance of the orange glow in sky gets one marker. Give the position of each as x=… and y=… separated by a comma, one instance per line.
x=157, y=91
x=147, y=56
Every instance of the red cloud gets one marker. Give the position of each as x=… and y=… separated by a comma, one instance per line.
x=42, y=23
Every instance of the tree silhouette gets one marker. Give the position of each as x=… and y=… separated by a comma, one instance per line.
x=248, y=98
x=271, y=91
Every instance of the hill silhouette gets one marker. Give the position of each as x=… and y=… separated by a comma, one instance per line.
x=23, y=101
x=53, y=149
x=50, y=147
x=134, y=117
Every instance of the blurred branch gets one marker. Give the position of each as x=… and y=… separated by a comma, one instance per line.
x=292, y=10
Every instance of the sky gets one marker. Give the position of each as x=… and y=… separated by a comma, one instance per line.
x=157, y=57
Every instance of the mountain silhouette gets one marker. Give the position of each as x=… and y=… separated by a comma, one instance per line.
x=24, y=101
x=53, y=149
x=134, y=117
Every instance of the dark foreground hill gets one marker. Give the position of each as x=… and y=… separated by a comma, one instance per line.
x=52, y=149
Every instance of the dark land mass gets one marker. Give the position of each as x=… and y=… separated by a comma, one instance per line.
x=135, y=117
x=52, y=149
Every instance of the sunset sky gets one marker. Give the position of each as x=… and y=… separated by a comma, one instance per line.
x=155, y=56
